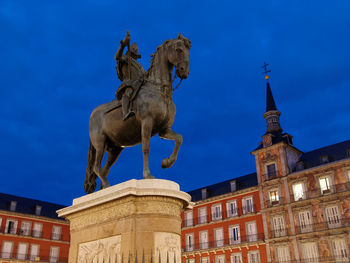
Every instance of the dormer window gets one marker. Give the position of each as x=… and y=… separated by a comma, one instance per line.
x=300, y=165
x=348, y=152
x=13, y=205
x=233, y=186
x=324, y=159
x=204, y=193
x=38, y=210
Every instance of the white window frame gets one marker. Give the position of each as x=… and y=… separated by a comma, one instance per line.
x=189, y=218
x=333, y=216
x=33, y=257
x=203, y=244
x=219, y=242
x=245, y=206
x=276, y=198
x=282, y=254
x=303, y=197
x=256, y=255
x=340, y=250
x=26, y=232
x=236, y=257
x=216, y=214
x=202, y=219
x=278, y=226
x=330, y=184
x=231, y=234
x=58, y=235
x=12, y=231
x=232, y=212
x=22, y=256
x=310, y=254
x=37, y=233
x=305, y=221
x=220, y=258
x=251, y=237
x=54, y=259
x=4, y=254
x=189, y=241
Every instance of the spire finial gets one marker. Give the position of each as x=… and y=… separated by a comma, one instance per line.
x=267, y=70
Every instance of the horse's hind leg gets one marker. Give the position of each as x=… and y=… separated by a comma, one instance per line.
x=146, y=132
x=100, y=151
x=169, y=134
x=113, y=154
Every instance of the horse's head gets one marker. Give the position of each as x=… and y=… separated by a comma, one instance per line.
x=178, y=55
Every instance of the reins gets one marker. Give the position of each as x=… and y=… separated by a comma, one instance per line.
x=178, y=84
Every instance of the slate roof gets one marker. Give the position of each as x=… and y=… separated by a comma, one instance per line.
x=335, y=152
x=270, y=102
x=27, y=206
x=224, y=187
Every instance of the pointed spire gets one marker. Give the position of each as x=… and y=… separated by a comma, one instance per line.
x=270, y=102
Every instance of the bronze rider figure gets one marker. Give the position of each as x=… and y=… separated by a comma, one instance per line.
x=130, y=72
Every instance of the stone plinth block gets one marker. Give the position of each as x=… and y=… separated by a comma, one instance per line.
x=138, y=220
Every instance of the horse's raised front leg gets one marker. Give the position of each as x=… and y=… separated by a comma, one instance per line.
x=146, y=132
x=169, y=134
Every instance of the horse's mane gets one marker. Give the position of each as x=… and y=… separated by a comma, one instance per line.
x=186, y=41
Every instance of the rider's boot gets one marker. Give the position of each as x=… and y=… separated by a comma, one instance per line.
x=126, y=105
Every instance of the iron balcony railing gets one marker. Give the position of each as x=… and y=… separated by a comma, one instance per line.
x=271, y=176
x=29, y=233
x=318, y=192
x=274, y=202
x=206, y=219
x=225, y=242
x=18, y=256
x=331, y=259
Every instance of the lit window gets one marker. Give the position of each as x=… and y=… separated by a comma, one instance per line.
x=324, y=185
x=216, y=212
x=38, y=210
x=13, y=206
x=298, y=191
x=274, y=199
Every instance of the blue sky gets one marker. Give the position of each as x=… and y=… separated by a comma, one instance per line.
x=57, y=65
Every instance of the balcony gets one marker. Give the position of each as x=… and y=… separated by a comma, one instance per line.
x=271, y=176
x=330, y=259
x=225, y=242
x=29, y=257
x=328, y=225
x=30, y=233
x=272, y=203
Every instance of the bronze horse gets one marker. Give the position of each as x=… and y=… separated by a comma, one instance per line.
x=154, y=114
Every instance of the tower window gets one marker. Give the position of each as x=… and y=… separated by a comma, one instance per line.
x=271, y=171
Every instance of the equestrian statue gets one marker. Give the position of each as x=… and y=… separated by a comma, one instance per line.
x=143, y=108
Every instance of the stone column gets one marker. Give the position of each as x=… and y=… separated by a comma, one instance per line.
x=133, y=221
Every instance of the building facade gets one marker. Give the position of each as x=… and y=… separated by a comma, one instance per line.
x=301, y=206
x=225, y=224
x=30, y=231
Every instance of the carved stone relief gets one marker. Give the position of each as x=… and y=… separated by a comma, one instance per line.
x=167, y=245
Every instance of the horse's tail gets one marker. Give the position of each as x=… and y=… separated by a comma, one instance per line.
x=90, y=177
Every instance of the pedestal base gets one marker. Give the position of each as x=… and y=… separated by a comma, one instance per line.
x=137, y=220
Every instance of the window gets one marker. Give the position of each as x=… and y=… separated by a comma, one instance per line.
x=248, y=205
x=13, y=205
x=298, y=191
x=305, y=221
x=340, y=250
x=189, y=218
x=324, y=159
x=22, y=251
x=202, y=215
x=37, y=227
x=234, y=234
x=34, y=252
x=236, y=258
x=56, y=232
x=0, y=223
x=204, y=193
x=233, y=185
x=278, y=226
x=324, y=185
x=6, y=251
x=231, y=208
x=252, y=234
x=54, y=254
x=253, y=256
x=11, y=226
x=333, y=216
x=25, y=228
x=219, y=237
x=216, y=212
x=38, y=210
x=273, y=195
x=220, y=259
x=348, y=152
x=271, y=171
x=282, y=254
x=189, y=242
x=203, y=239
x=191, y=260
x=205, y=260
x=309, y=251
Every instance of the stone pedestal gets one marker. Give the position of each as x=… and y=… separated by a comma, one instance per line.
x=135, y=221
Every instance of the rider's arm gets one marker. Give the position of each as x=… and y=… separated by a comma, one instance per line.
x=123, y=44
